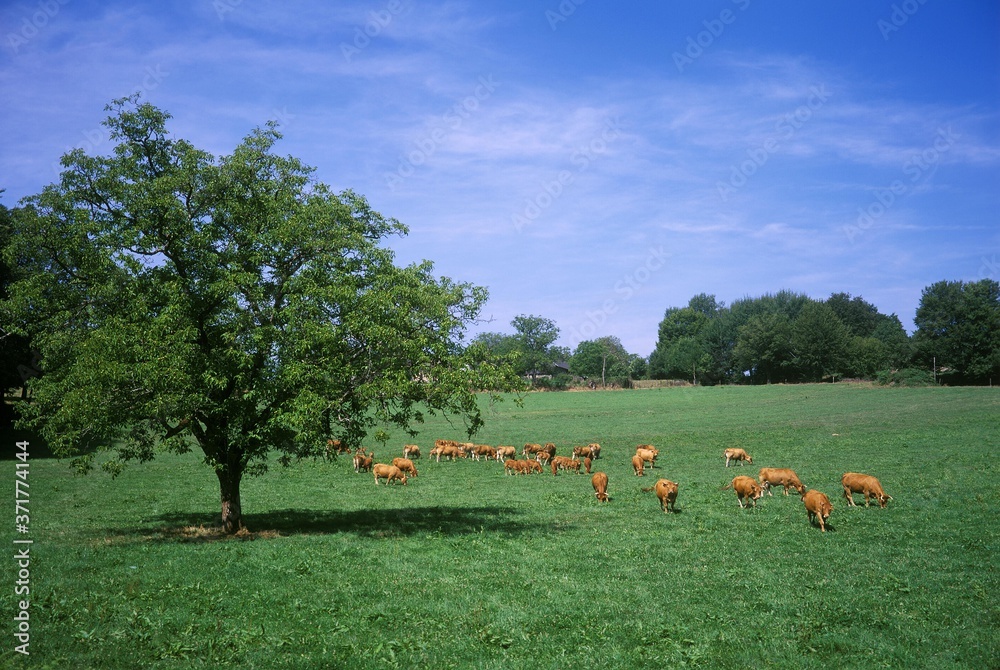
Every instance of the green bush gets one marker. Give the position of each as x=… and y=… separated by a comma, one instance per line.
x=905, y=377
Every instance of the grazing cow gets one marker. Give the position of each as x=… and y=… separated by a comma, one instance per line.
x=737, y=455
x=561, y=463
x=445, y=443
x=505, y=452
x=482, y=450
x=786, y=478
x=451, y=453
x=855, y=482
x=532, y=466
x=582, y=452
x=817, y=506
x=333, y=448
x=648, y=456
x=666, y=491
x=595, y=450
x=549, y=447
x=746, y=487
x=388, y=473
x=531, y=448
x=363, y=461
x=586, y=464
x=543, y=457
x=411, y=451
x=405, y=465
x=600, y=482
x=511, y=467
x=637, y=465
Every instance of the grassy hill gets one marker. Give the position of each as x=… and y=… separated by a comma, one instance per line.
x=467, y=568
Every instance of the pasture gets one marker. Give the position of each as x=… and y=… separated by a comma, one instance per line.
x=467, y=568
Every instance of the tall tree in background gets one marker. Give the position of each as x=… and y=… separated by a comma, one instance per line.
x=233, y=304
x=535, y=337
x=604, y=358
x=820, y=343
x=16, y=358
x=958, y=328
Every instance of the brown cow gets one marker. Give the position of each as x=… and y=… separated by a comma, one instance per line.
x=482, y=451
x=595, y=450
x=582, y=452
x=666, y=491
x=637, y=465
x=388, y=473
x=405, y=465
x=505, y=452
x=818, y=506
x=411, y=451
x=564, y=463
x=746, y=487
x=600, y=482
x=531, y=448
x=363, y=461
x=586, y=464
x=737, y=455
x=648, y=455
x=512, y=467
x=543, y=457
x=785, y=477
x=855, y=482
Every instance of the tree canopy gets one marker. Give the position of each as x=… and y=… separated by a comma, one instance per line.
x=233, y=304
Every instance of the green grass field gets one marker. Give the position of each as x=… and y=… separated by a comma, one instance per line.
x=467, y=568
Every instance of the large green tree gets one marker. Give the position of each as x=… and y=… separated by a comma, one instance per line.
x=604, y=358
x=535, y=337
x=958, y=328
x=231, y=304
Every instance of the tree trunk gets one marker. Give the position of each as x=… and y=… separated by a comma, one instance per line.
x=232, y=510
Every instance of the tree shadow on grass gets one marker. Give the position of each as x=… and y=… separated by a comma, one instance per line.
x=373, y=524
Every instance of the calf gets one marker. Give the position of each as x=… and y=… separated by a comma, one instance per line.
x=388, y=473
x=666, y=491
x=818, y=506
x=637, y=465
x=855, y=482
x=736, y=455
x=746, y=487
x=411, y=451
x=786, y=478
x=405, y=465
x=600, y=482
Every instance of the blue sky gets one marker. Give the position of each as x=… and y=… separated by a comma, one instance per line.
x=588, y=161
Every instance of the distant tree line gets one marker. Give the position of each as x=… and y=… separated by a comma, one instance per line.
x=785, y=337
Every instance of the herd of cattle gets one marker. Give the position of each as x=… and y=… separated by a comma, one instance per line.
x=537, y=456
